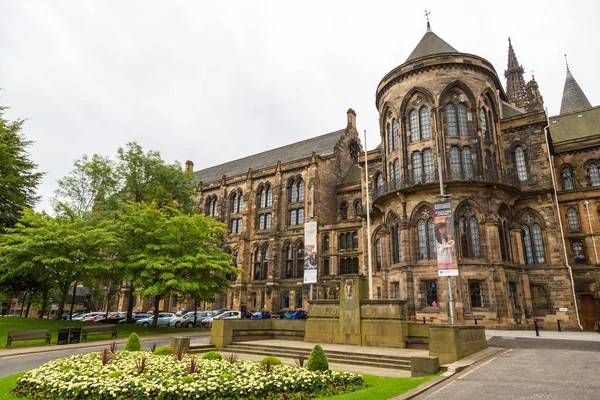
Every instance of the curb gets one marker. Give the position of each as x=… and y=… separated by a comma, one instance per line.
x=82, y=345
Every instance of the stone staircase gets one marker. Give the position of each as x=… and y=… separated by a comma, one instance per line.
x=417, y=342
x=338, y=357
x=201, y=348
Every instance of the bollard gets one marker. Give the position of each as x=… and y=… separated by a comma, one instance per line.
x=537, y=331
x=475, y=321
x=558, y=322
x=423, y=320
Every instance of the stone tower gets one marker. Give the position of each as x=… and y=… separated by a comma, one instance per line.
x=536, y=101
x=515, y=83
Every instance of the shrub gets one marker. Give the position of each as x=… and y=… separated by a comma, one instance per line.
x=212, y=355
x=227, y=377
x=164, y=351
x=133, y=343
x=273, y=360
x=300, y=361
x=232, y=357
x=317, y=361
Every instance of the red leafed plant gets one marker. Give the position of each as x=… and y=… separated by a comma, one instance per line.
x=105, y=357
x=141, y=365
x=193, y=366
x=180, y=352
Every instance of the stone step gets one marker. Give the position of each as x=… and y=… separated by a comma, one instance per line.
x=354, y=359
x=417, y=342
x=201, y=348
x=306, y=351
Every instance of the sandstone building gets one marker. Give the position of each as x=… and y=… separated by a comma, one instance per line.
x=525, y=191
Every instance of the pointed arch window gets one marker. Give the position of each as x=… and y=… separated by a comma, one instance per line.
x=389, y=138
x=379, y=181
x=395, y=135
x=468, y=234
x=567, y=178
x=467, y=163
x=357, y=208
x=296, y=190
x=533, y=241
x=237, y=202
x=325, y=244
x=455, y=163
x=594, y=174
x=484, y=125
x=463, y=120
x=344, y=211
x=431, y=237
x=378, y=254
x=451, y=118
x=521, y=164
x=426, y=238
x=423, y=252
x=395, y=174
x=425, y=123
x=578, y=252
x=236, y=225
x=261, y=263
x=428, y=165
x=504, y=235
x=299, y=271
x=573, y=220
x=414, y=126
x=288, y=257
x=211, y=206
x=417, y=167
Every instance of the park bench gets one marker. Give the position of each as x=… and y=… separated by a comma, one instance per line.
x=98, y=330
x=32, y=334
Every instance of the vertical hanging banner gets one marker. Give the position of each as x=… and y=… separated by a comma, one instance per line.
x=310, y=252
x=444, y=228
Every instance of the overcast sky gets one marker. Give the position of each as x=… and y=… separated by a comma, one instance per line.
x=214, y=81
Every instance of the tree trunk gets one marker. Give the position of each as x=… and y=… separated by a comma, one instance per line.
x=73, y=301
x=23, y=303
x=44, y=302
x=130, y=303
x=108, y=298
x=63, y=299
x=28, y=307
x=156, y=305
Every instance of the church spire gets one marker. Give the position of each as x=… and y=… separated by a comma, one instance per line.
x=515, y=83
x=573, y=98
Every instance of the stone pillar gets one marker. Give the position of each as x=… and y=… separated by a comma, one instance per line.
x=353, y=289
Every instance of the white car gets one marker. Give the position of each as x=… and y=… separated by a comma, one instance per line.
x=224, y=315
x=187, y=320
x=82, y=317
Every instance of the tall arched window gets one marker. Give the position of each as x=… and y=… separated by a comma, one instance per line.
x=533, y=241
x=425, y=123
x=264, y=196
x=414, y=126
x=379, y=181
x=594, y=174
x=428, y=165
x=357, y=208
x=288, y=260
x=395, y=135
x=389, y=138
x=504, y=234
x=484, y=125
x=269, y=196
x=567, y=178
x=325, y=244
x=211, y=206
x=520, y=162
x=378, y=254
x=455, y=163
x=234, y=203
x=344, y=211
x=417, y=167
x=261, y=263
x=451, y=117
x=578, y=252
x=573, y=220
x=296, y=190
x=463, y=120
x=426, y=238
x=299, y=260
x=467, y=163
x=396, y=241
x=468, y=233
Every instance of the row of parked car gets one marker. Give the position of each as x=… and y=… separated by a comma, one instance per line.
x=184, y=320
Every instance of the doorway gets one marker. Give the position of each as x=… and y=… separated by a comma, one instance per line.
x=588, y=312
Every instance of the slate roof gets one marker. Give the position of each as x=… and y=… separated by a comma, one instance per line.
x=573, y=98
x=508, y=110
x=353, y=175
x=576, y=125
x=430, y=44
x=321, y=145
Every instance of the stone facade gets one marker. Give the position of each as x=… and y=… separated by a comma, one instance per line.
x=443, y=115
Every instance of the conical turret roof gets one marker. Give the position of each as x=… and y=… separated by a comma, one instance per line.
x=429, y=45
x=573, y=98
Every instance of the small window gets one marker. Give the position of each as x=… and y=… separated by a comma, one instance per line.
x=578, y=252
x=325, y=244
x=512, y=288
x=573, y=220
x=417, y=167
x=326, y=267
x=357, y=208
x=594, y=173
x=286, y=300
x=431, y=294
x=476, y=294
x=567, y=178
x=395, y=135
x=521, y=164
x=344, y=211
x=378, y=254
x=397, y=291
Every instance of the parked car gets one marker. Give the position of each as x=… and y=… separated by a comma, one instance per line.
x=84, y=317
x=222, y=315
x=261, y=315
x=73, y=316
x=163, y=319
x=296, y=314
x=275, y=316
x=113, y=318
x=136, y=317
x=187, y=320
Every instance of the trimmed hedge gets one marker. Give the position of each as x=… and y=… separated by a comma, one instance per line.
x=164, y=351
x=317, y=360
x=133, y=343
x=274, y=360
x=212, y=355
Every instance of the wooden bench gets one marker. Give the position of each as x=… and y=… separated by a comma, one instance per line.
x=98, y=330
x=33, y=334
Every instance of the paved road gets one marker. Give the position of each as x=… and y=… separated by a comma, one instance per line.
x=12, y=364
x=528, y=369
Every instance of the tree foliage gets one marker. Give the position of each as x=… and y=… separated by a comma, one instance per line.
x=18, y=179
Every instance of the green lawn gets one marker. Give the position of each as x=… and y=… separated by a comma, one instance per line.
x=381, y=387
x=124, y=330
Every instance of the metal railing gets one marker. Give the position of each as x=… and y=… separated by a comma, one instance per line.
x=471, y=175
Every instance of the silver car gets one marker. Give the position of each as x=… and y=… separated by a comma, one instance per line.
x=187, y=320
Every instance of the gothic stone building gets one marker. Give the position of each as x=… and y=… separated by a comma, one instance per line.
x=522, y=187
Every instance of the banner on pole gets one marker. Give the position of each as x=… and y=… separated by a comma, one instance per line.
x=444, y=238
x=310, y=252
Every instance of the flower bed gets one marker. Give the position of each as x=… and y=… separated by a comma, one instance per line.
x=165, y=378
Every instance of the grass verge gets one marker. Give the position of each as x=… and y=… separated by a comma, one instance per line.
x=380, y=388
x=123, y=330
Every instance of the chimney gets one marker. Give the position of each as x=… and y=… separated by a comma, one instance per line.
x=351, y=118
x=189, y=166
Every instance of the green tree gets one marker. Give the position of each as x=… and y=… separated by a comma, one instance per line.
x=60, y=250
x=18, y=179
x=91, y=186
x=181, y=253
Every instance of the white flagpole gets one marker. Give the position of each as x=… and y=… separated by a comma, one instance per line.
x=369, y=261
